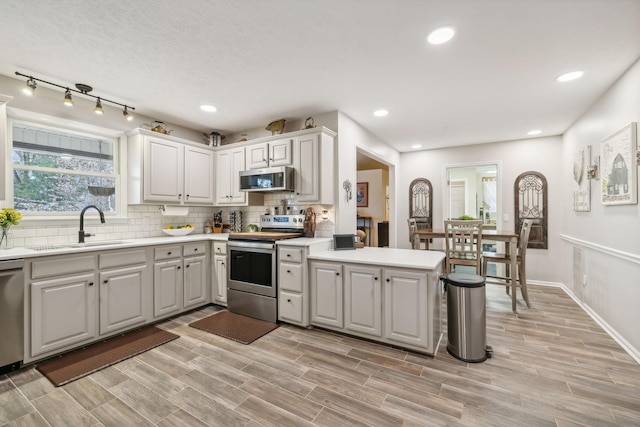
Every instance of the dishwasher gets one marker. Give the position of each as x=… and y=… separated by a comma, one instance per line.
x=11, y=315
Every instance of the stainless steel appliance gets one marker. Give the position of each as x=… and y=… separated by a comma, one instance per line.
x=11, y=315
x=268, y=179
x=253, y=273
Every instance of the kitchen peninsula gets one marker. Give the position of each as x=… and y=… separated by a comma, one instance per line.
x=388, y=295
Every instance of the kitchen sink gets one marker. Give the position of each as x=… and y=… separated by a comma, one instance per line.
x=92, y=244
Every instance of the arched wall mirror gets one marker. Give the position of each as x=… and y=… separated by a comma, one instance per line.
x=421, y=202
x=472, y=190
x=530, y=199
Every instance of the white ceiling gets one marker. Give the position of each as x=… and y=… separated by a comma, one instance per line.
x=259, y=61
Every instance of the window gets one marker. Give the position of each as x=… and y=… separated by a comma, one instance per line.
x=60, y=171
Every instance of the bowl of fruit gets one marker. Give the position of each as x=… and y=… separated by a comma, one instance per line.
x=178, y=230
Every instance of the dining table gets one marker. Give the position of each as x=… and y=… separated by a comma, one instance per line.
x=511, y=247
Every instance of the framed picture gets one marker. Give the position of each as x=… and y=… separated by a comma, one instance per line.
x=362, y=194
x=619, y=170
x=581, y=182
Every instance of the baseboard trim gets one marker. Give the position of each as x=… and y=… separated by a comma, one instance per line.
x=626, y=346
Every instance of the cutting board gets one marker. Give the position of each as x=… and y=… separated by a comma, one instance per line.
x=263, y=235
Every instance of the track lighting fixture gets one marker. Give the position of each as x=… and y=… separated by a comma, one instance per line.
x=30, y=88
x=82, y=89
x=68, y=101
x=126, y=114
x=98, y=109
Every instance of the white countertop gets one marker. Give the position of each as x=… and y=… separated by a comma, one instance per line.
x=385, y=257
x=26, y=252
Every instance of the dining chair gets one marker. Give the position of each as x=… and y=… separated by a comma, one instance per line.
x=463, y=244
x=413, y=237
x=511, y=279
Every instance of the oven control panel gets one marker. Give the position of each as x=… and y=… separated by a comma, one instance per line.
x=282, y=221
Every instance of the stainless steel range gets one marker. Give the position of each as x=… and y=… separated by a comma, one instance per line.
x=253, y=271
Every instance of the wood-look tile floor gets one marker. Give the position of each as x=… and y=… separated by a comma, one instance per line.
x=552, y=366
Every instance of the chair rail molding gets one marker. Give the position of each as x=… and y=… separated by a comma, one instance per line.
x=633, y=258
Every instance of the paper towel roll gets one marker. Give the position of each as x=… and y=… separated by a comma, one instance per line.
x=174, y=210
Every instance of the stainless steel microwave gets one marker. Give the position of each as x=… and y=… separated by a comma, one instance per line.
x=268, y=179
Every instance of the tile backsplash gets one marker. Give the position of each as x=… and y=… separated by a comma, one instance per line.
x=148, y=221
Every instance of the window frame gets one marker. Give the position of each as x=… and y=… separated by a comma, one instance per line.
x=117, y=137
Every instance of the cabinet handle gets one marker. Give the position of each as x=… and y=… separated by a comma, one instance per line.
x=195, y=249
x=337, y=274
x=289, y=255
x=288, y=271
x=289, y=300
x=187, y=197
x=179, y=267
x=375, y=278
x=186, y=266
x=222, y=263
x=179, y=196
x=105, y=281
x=388, y=280
x=168, y=253
x=90, y=283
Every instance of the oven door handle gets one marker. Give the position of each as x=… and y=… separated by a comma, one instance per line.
x=251, y=245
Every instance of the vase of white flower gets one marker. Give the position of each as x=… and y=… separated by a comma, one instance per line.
x=8, y=218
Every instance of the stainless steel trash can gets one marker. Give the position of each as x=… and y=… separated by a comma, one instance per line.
x=466, y=317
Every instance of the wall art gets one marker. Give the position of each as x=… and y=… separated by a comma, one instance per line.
x=581, y=184
x=619, y=170
x=362, y=194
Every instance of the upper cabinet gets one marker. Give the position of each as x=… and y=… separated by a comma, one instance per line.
x=270, y=154
x=229, y=163
x=169, y=170
x=313, y=161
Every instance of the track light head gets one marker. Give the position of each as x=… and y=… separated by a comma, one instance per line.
x=126, y=114
x=68, y=100
x=30, y=88
x=98, y=109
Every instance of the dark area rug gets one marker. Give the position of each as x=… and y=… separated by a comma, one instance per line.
x=79, y=363
x=235, y=326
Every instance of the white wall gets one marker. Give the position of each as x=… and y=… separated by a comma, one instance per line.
x=376, y=209
x=607, y=237
x=543, y=155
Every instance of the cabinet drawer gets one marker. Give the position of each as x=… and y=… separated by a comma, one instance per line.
x=290, y=307
x=290, y=277
x=167, y=252
x=54, y=266
x=219, y=248
x=194, y=249
x=122, y=258
x=291, y=254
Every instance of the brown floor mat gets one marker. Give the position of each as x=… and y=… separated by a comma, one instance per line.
x=79, y=363
x=235, y=326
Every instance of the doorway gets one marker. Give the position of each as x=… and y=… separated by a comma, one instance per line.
x=373, y=215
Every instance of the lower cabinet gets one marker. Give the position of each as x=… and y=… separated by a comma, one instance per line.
x=219, y=289
x=195, y=281
x=394, y=306
x=123, y=295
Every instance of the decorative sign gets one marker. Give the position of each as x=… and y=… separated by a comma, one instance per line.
x=581, y=184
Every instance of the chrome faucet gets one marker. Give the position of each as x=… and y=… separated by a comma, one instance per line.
x=81, y=233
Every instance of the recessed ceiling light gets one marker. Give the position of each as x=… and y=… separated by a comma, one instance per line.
x=415, y=146
x=208, y=108
x=567, y=77
x=441, y=35
x=534, y=132
x=380, y=113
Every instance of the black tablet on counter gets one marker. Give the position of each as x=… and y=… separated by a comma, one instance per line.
x=343, y=242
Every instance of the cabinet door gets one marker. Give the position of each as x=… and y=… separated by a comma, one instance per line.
x=198, y=175
x=195, y=281
x=257, y=156
x=220, y=286
x=405, y=307
x=228, y=166
x=290, y=307
x=307, y=165
x=326, y=294
x=163, y=171
x=123, y=296
x=63, y=312
x=167, y=287
x=363, y=299
x=280, y=152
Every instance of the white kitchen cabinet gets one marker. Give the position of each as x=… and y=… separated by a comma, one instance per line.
x=383, y=297
x=327, y=294
x=63, y=312
x=229, y=163
x=269, y=154
x=363, y=299
x=168, y=170
x=292, y=285
x=125, y=289
x=167, y=280
x=314, y=165
x=195, y=269
x=219, y=289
